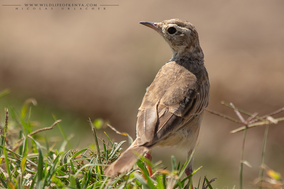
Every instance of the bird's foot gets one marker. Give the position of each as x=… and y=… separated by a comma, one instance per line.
x=188, y=170
x=149, y=157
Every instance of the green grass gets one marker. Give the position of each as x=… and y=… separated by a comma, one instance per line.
x=29, y=160
x=27, y=163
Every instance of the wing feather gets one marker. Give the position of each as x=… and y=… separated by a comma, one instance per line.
x=170, y=101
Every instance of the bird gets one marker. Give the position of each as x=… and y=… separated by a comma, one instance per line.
x=172, y=107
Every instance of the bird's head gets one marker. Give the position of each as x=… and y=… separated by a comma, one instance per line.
x=180, y=35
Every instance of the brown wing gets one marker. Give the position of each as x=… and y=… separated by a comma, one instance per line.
x=170, y=101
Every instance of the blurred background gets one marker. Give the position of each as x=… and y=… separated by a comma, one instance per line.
x=98, y=63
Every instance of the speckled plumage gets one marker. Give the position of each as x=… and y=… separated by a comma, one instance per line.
x=172, y=108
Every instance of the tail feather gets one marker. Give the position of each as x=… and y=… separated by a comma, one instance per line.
x=126, y=161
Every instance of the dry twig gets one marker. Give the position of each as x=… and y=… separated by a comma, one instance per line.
x=35, y=132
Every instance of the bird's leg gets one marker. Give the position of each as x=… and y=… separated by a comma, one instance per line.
x=189, y=171
x=149, y=157
x=189, y=168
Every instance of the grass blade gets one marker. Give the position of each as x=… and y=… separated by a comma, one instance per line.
x=77, y=153
x=116, y=149
x=3, y=138
x=262, y=154
x=242, y=159
x=186, y=164
x=142, y=166
x=96, y=140
x=4, y=182
x=3, y=143
x=141, y=180
x=208, y=183
x=62, y=132
x=39, y=165
x=108, y=138
x=7, y=161
x=160, y=184
x=4, y=92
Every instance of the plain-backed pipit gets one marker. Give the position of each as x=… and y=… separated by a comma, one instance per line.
x=172, y=108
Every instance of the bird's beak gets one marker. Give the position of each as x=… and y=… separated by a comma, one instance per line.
x=152, y=25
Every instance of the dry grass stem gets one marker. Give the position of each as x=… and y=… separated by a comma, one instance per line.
x=35, y=132
x=223, y=116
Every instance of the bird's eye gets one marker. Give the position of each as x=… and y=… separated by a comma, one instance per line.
x=171, y=30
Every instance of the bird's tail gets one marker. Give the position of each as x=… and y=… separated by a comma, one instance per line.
x=127, y=159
